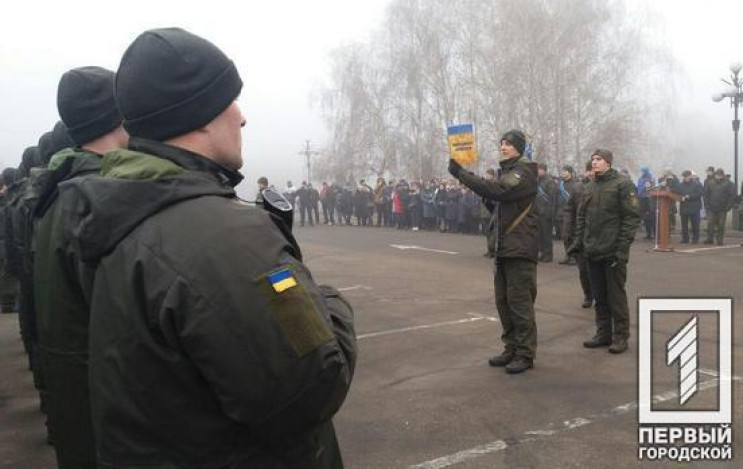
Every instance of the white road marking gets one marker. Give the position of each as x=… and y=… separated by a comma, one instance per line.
x=356, y=287
x=418, y=248
x=482, y=316
x=713, y=248
x=423, y=326
x=535, y=435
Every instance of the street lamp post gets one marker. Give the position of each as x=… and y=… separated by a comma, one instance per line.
x=735, y=93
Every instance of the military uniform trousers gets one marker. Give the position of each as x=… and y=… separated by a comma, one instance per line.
x=515, y=293
x=545, y=236
x=490, y=236
x=567, y=234
x=716, y=226
x=8, y=291
x=585, y=277
x=608, y=286
x=68, y=407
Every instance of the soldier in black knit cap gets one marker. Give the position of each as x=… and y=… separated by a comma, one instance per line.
x=8, y=282
x=85, y=101
x=210, y=344
x=516, y=249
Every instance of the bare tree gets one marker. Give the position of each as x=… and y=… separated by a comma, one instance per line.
x=574, y=74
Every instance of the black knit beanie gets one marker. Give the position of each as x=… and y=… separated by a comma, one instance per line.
x=86, y=104
x=516, y=138
x=52, y=142
x=171, y=82
x=29, y=159
x=9, y=175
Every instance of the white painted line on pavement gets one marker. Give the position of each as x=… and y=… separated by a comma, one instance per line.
x=423, y=326
x=418, y=248
x=534, y=435
x=356, y=287
x=482, y=316
x=713, y=248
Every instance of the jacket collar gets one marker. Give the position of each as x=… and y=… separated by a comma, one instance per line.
x=611, y=173
x=186, y=159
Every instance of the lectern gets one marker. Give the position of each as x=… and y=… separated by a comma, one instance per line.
x=663, y=198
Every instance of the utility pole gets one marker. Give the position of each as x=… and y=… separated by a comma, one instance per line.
x=308, y=153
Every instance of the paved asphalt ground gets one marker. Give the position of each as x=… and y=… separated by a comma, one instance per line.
x=423, y=394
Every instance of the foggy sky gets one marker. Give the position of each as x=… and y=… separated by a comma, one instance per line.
x=281, y=50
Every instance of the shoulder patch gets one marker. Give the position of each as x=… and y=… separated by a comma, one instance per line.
x=282, y=280
x=633, y=199
x=511, y=179
x=293, y=308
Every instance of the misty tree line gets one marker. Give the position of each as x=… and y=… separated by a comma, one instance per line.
x=573, y=74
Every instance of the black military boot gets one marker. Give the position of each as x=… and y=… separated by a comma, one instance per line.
x=503, y=359
x=618, y=346
x=597, y=342
x=519, y=364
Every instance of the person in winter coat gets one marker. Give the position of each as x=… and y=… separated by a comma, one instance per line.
x=568, y=184
x=380, y=202
x=428, y=199
x=647, y=203
x=719, y=198
x=398, y=209
x=85, y=100
x=210, y=343
x=516, y=253
x=571, y=214
x=452, y=209
x=690, y=208
x=361, y=201
x=608, y=217
x=441, y=200
x=546, y=205
x=414, y=207
x=8, y=282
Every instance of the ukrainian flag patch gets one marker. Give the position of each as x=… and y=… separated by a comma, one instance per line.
x=282, y=280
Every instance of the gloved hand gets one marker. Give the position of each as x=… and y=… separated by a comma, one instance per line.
x=455, y=168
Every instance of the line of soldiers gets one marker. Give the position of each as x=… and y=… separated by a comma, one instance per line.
x=167, y=322
x=24, y=188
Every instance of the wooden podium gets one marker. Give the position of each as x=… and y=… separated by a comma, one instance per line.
x=663, y=198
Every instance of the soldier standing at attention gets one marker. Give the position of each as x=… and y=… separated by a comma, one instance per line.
x=516, y=251
x=719, y=197
x=546, y=203
x=85, y=100
x=571, y=214
x=8, y=282
x=607, y=220
x=210, y=343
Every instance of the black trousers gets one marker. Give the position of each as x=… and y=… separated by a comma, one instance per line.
x=692, y=220
x=608, y=279
x=545, y=236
